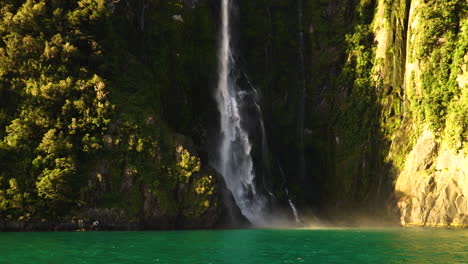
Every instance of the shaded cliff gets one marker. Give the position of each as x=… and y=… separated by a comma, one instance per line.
x=379, y=76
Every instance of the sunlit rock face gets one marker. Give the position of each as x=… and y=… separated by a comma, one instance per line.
x=428, y=152
x=433, y=186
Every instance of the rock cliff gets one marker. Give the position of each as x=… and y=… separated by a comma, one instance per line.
x=429, y=147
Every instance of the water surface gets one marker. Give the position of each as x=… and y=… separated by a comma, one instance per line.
x=239, y=246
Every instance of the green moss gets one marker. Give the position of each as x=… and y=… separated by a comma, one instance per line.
x=441, y=45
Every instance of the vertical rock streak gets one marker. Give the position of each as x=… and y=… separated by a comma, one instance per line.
x=301, y=94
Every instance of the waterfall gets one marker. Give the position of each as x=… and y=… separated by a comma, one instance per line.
x=235, y=162
x=293, y=208
x=264, y=142
x=296, y=215
x=291, y=204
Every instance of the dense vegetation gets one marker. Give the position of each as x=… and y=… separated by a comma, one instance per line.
x=87, y=91
x=440, y=50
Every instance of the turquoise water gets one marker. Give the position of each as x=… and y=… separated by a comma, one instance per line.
x=239, y=246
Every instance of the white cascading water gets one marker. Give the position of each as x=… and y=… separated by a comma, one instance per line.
x=293, y=208
x=235, y=162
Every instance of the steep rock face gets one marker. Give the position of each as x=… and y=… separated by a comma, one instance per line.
x=433, y=186
x=398, y=108
x=379, y=76
x=429, y=147
x=333, y=40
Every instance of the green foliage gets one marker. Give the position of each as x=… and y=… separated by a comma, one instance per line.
x=199, y=188
x=356, y=117
x=184, y=188
x=54, y=183
x=198, y=198
x=456, y=126
x=89, y=89
x=58, y=103
x=187, y=164
x=441, y=47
